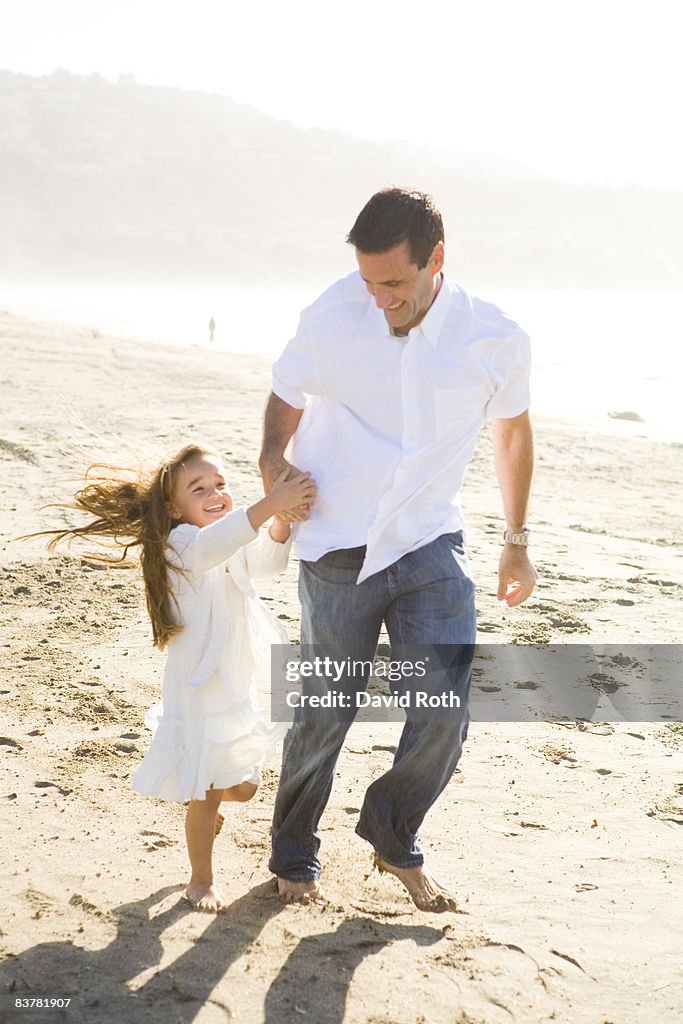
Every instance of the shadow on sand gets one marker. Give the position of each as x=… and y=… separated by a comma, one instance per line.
x=312, y=984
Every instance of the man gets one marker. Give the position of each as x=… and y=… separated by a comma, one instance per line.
x=384, y=389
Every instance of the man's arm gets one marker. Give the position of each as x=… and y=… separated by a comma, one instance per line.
x=280, y=423
x=513, y=447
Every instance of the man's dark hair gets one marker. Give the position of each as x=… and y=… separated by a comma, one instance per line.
x=397, y=215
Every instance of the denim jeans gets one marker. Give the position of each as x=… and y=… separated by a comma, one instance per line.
x=426, y=597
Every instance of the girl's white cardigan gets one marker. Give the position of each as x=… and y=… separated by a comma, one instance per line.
x=214, y=735
x=207, y=601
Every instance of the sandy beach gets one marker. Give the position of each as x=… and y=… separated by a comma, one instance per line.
x=562, y=840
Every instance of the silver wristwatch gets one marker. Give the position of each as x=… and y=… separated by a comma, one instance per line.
x=522, y=537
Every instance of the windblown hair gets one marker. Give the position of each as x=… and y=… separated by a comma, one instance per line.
x=131, y=508
x=397, y=215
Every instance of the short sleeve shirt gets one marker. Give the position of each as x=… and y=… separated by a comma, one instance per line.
x=390, y=423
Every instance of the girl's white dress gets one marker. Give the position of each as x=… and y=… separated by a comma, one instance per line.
x=207, y=728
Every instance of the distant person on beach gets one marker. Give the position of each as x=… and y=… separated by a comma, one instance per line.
x=384, y=388
x=212, y=328
x=198, y=560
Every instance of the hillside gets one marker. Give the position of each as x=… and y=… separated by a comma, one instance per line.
x=125, y=183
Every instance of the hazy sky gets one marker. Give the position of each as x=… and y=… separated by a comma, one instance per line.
x=586, y=90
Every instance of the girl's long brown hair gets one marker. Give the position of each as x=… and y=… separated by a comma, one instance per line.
x=131, y=508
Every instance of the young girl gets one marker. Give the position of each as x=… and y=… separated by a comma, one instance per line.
x=198, y=559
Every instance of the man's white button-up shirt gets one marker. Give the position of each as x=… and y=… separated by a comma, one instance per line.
x=390, y=423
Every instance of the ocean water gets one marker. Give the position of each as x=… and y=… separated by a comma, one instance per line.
x=602, y=352
x=595, y=352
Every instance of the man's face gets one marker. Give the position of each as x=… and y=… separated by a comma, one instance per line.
x=400, y=290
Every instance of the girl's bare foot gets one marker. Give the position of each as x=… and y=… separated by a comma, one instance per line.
x=423, y=889
x=204, y=897
x=301, y=892
x=219, y=823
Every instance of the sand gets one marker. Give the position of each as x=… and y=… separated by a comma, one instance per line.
x=561, y=840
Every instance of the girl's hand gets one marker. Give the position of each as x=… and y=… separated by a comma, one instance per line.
x=287, y=495
x=276, y=470
x=288, y=500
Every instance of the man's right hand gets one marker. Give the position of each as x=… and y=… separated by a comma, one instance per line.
x=290, y=493
x=271, y=471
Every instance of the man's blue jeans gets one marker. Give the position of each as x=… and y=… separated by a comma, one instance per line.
x=426, y=597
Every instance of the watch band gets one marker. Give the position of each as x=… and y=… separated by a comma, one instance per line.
x=520, y=537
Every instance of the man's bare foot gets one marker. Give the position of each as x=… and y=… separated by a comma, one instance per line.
x=204, y=897
x=219, y=823
x=424, y=890
x=301, y=892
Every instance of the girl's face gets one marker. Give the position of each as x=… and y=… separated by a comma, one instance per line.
x=201, y=494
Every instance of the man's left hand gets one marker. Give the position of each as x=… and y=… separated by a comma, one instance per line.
x=515, y=568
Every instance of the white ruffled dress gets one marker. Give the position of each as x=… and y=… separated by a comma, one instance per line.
x=208, y=729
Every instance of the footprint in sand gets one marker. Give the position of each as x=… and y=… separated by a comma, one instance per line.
x=7, y=741
x=40, y=902
x=533, y=633
x=157, y=840
x=624, y=661
x=670, y=808
x=559, y=754
x=18, y=451
x=602, y=682
x=126, y=747
x=83, y=904
x=568, y=623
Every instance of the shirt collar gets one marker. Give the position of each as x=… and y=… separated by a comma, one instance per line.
x=435, y=317
x=374, y=321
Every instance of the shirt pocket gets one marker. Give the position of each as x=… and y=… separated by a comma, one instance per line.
x=457, y=411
